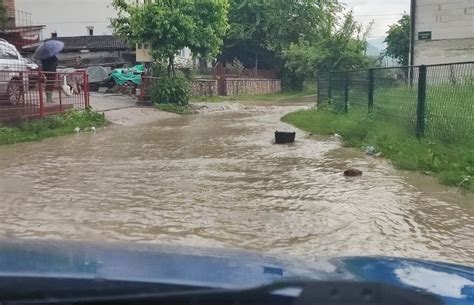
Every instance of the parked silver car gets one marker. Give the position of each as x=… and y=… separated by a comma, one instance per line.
x=14, y=73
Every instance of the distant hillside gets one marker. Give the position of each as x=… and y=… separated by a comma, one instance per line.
x=378, y=43
x=372, y=50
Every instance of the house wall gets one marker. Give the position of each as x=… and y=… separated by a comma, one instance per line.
x=73, y=17
x=452, y=26
x=143, y=53
x=70, y=17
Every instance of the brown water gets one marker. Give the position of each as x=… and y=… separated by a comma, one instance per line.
x=217, y=180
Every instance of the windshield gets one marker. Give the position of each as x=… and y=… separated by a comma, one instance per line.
x=301, y=130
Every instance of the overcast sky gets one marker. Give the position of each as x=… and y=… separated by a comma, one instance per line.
x=383, y=12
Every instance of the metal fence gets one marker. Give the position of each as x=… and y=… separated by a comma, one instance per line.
x=435, y=101
x=27, y=94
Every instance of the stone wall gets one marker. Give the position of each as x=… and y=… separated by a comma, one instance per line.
x=204, y=87
x=234, y=86
x=251, y=86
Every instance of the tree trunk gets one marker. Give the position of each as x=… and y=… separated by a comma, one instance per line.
x=171, y=69
x=169, y=66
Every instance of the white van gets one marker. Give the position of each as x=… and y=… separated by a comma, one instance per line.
x=13, y=73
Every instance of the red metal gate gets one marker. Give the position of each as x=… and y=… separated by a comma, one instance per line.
x=34, y=94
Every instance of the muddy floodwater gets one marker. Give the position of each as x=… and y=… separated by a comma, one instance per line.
x=216, y=180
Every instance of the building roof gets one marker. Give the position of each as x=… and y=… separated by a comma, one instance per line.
x=90, y=43
x=21, y=29
x=93, y=43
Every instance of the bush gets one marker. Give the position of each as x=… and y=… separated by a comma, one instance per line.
x=292, y=81
x=170, y=90
x=158, y=69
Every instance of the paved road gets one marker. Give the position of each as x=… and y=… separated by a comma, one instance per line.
x=106, y=102
x=122, y=110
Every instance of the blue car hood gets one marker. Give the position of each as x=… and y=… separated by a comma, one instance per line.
x=224, y=269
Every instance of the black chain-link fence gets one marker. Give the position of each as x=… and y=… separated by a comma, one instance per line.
x=434, y=101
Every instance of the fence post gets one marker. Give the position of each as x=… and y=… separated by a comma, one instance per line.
x=141, y=97
x=329, y=88
x=421, y=106
x=371, y=90
x=40, y=93
x=60, y=94
x=318, y=87
x=346, y=93
x=22, y=78
x=86, y=90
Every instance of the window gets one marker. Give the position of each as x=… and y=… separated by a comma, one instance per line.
x=90, y=30
x=8, y=54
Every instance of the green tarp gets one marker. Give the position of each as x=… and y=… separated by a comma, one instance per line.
x=134, y=75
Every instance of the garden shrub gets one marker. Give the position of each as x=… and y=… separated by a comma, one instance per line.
x=170, y=90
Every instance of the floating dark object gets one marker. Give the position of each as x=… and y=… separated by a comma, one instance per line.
x=352, y=173
x=284, y=137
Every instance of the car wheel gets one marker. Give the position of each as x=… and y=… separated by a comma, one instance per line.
x=14, y=92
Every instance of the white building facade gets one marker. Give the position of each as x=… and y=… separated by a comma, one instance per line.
x=70, y=17
x=443, y=31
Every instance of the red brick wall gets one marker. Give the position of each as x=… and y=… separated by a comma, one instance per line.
x=10, y=5
x=10, y=8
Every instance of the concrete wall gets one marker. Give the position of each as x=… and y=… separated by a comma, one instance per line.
x=444, y=51
x=452, y=25
x=204, y=87
x=250, y=86
x=70, y=17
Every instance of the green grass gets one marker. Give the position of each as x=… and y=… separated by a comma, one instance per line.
x=449, y=108
x=51, y=126
x=452, y=164
x=174, y=108
x=273, y=97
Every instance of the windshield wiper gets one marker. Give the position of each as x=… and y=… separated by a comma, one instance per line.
x=285, y=292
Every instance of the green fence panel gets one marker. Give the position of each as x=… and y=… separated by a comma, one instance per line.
x=434, y=101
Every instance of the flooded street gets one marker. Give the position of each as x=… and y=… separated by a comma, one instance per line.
x=216, y=179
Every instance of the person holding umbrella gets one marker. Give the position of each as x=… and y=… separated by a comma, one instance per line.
x=47, y=52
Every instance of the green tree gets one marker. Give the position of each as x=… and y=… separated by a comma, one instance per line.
x=398, y=40
x=294, y=36
x=335, y=48
x=261, y=31
x=168, y=26
x=3, y=15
